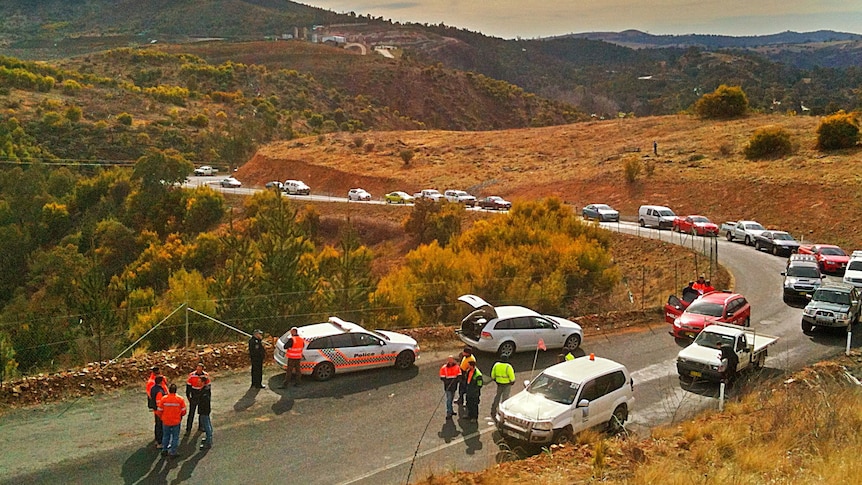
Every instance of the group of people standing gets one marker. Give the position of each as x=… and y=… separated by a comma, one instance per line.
x=696, y=288
x=466, y=378
x=169, y=408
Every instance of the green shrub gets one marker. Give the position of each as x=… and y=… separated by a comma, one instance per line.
x=406, y=155
x=632, y=168
x=74, y=114
x=840, y=130
x=198, y=121
x=124, y=119
x=768, y=142
x=723, y=103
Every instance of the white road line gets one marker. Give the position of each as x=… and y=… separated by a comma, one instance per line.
x=420, y=455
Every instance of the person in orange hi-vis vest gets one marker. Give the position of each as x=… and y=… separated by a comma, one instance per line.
x=171, y=409
x=195, y=384
x=293, y=349
x=450, y=374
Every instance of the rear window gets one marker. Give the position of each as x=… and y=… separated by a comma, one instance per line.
x=320, y=343
x=666, y=213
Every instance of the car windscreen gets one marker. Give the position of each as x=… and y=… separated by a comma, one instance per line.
x=554, y=389
x=832, y=296
x=804, y=272
x=666, y=213
x=700, y=219
x=854, y=266
x=705, y=308
x=714, y=340
x=782, y=236
x=602, y=207
x=833, y=252
x=754, y=227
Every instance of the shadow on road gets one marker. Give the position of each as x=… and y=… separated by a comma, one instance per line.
x=247, y=400
x=836, y=337
x=523, y=361
x=341, y=385
x=189, y=466
x=449, y=431
x=139, y=463
x=472, y=437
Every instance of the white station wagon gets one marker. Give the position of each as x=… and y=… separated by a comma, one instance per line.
x=336, y=347
x=509, y=329
x=567, y=398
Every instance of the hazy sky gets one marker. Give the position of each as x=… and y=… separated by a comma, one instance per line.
x=543, y=18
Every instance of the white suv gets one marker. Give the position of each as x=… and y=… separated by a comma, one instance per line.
x=337, y=346
x=853, y=273
x=460, y=196
x=568, y=398
x=509, y=329
x=296, y=187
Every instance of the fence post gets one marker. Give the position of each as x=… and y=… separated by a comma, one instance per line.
x=186, y=305
x=643, y=285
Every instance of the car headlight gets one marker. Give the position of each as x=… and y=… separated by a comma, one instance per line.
x=676, y=322
x=808, y=312
x=789, y=282
x=543, y=426
x=680, y=360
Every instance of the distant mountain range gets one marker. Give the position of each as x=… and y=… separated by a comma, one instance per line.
x=636, y=38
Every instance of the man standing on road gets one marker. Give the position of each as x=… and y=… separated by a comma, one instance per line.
x=450, y=374
x=256, y=354
x=466, y=357
x=151, y=381
x=194, y=387
x=171, y=409
x=157, y=391
x=504, y=375
x=204, y=409
x=473, y=382
x=728, y=354
x=293, y=350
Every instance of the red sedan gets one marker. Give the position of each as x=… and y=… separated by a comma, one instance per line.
x=695, y=225
x=718, y=306
x=832, y=259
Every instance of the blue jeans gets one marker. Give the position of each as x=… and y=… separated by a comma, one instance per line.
x=207, y=425
x=171, y=439
x=450, y=396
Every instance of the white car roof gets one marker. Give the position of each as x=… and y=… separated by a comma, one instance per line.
x=515, y=311
x=583, y=368
x=334, y=326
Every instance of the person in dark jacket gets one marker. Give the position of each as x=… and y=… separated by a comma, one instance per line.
x=197, y=381
x=732, y=363
x=159, y=389
x=256, y=354
x=473, y=380
x=204, y=409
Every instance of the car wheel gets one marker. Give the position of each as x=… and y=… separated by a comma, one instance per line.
x=506, y=349
x=405, y=360
x=761, y=360
x=747, y=241
x=747, y=322
x=618, y=419
x=775, y=250
x=563, y=436
x=806, y=327
x=641, y=223
x=573, y=342
x=323, y=371
x=729, y=236
x=757, y=245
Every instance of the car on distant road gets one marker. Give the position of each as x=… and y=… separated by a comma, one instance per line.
x=398, y=197
x=778, y=243
x=745, y=231
x=801, y=277
x=461, y=197
x=509, y=329
x=337, y=346
x=296, y=187
x=494, y=202
x=831, y=305
x=206, y=170
x=358, y=194
x=231, y=182
x=433, y=195
x=656, y=216
x=601, y=213
x=831, y=258
x=275, y=184
x=695, y=225
x=853, y=273
x=717, y=306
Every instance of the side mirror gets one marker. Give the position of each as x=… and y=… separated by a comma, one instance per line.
x=854, y=302
x=783, y=273
x=526, y=384
x=730, y=314
x=823, y=277
x=583, y=403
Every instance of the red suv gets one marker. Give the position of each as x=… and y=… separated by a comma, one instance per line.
x=718, y=306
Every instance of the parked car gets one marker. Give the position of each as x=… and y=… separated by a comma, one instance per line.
x=231, y=182
x=655, y=216
x=509, y=329
x=494, y=202
x=853, y=273
x=358, y=194
x=398, y=197
x=776, y=242
x=337, y=346
x=430, y=194
x=206, y=170
x=275, y=184
x=701, y=361
x=831, y=258
x=718, y=306
x=567, y=398
x=744, y=231
x=601, y=213
x=831, y=305
x=801, y=278
x=461, y=197
x=695, y=225
x=296, y=187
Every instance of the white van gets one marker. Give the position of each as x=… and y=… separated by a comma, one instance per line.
x=568, y=398
x=853, y=273
x=656, y=216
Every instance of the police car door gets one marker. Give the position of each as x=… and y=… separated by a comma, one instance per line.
x=370, y=351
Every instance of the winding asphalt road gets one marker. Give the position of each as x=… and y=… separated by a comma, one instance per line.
x=366, y=428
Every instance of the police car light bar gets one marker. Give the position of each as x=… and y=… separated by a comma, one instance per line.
x=339, y=323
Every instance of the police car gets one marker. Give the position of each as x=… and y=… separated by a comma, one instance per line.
x=337, y=346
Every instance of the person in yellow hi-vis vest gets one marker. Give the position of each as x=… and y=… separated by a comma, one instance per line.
x=504, y=375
